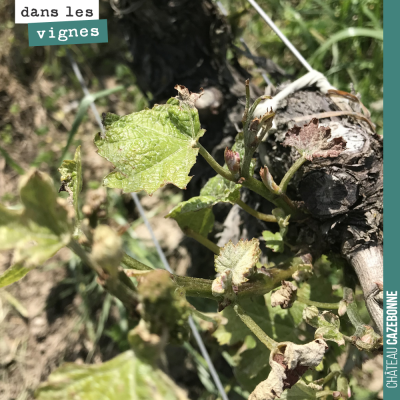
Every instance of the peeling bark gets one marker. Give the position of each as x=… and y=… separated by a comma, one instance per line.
x=368, y=264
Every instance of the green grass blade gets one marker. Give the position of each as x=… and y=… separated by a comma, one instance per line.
x=82, y=109
x=346, y=34
x=15, y=166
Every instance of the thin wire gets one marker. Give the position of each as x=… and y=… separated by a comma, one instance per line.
x=284, y=39
x=160, y=252
x=84, y=87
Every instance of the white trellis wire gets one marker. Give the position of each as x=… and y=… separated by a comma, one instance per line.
x=284, y=39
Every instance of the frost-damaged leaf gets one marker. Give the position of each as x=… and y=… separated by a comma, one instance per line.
x=240, y=259
x=123, y=377
x=38, y=231
x=288, y=363
x=313, y=141
x=327, y=324
x=285, y=296
x=274, y=241
x=151, y=148
x=71, y=178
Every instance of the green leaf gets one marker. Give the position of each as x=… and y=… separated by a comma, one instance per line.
x=327, y=324
x=38, y=231
x=253, y=366
x=274, y=241
x=301, y=391
x=222, y=190
x=276, y=322
x=71, y=178
x=195, y=214
x=13, y=164
x=316, y=289
x=151, y=148
x=240, y=259
x=13, y=274
x=123, y=377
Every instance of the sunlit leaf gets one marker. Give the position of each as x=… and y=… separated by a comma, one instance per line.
x=151, y=148
x=240, y=259
x=327, y=324
x=123, y=377
x=274, y=241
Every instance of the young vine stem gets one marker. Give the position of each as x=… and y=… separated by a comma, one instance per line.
x=198, y=287
x=247, y=106
x=202, y=240
x=253, y=184
x=257, y=214
x=289, y=174
x=131, y=263
x=328, y=306
x=252, y=325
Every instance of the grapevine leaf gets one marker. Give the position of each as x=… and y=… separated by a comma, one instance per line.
x=276, y=322
x=285, y=296
x=327, y=324
x=195, y=214
x=222, y=190
x=151, y=148
x=288, y=361
x=240, y=259
x=314, y=141
x=123, y=377
x=274, y=241
x=316, y=289
x=301, y=391
x=38, y=231
x=71, y=178
x=253, y=365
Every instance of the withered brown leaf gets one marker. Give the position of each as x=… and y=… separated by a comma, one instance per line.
x=314, y=141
